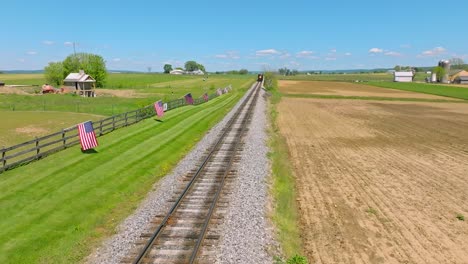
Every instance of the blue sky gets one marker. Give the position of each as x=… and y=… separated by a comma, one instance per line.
x=225, y=35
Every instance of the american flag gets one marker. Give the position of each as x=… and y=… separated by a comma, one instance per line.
x=87, y=135
x=158, y=106
x=219, y=92
x=205, y=97
x=188, y=98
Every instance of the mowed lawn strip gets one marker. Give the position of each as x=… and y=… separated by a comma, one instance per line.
x=57, y=209
x=442, y=90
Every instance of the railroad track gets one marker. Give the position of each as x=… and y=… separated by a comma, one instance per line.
x=180, y=235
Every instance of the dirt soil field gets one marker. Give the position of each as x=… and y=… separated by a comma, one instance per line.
x=347, y=89
x=379, y=182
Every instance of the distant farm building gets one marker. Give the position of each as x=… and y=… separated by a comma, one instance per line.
x=403, y=76
x=460, y=76
x=197, y=72
x=180, y=72
x=177, y=72
x=83, y=84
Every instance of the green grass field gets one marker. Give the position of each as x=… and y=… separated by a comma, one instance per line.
x=349, y=77
x=15, y=130
x=139, y=81
x=57, y=209
x=442, y=90
x=17, y=106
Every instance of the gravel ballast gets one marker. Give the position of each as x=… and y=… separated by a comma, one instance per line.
x=114, y=249
x=248, y=235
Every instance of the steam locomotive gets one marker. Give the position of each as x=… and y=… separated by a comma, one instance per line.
x=260, y=77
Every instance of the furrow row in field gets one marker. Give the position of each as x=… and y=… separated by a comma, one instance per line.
x=369, y=190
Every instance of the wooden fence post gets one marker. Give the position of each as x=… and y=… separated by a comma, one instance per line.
x=63, y=138
x=37, y=148
x=3, y=157
x=100, y=127
x=113, y=122
x=126, y=118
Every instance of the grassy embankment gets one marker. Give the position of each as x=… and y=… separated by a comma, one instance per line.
x=283, y=189
x=56, y=210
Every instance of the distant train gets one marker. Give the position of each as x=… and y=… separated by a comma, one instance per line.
x=260, y=77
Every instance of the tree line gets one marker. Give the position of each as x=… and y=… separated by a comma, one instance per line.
x=92, y=64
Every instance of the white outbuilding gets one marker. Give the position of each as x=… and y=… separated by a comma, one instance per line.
x=177, y=72
x=83, y=84
x=403, y=76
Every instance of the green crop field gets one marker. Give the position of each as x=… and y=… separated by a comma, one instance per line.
x=349, y=77
x=133, y=80
x=57, y=209
x=442, y=90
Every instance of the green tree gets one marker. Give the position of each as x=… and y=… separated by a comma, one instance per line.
x=167, y=68
x=191, y=66
x=201, y=67
x=440, y=72
x=243, y=71
x=92, y=64
x=54, y=73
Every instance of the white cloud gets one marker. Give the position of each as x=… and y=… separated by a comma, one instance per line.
x=116, y=60
x=21, y=60
x=48, y=42
x=294, y=64
x=267, y=52
x=405, y=46
x=333, y=50
x=375, y=50
x=305, y=54
x=330, y=59
x=433, y=52
x=348, y=54
x=228, y=55
x=68, y=43
x=393, y=54
x=285, y=55
x=31, y=52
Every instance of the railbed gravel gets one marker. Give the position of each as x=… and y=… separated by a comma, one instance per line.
x=248, y=234
x=247, y=245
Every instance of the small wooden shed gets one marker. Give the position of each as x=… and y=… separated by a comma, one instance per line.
x=83, y=84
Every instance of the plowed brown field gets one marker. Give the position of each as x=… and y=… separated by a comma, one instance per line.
x=348, y=89
x=379, y=182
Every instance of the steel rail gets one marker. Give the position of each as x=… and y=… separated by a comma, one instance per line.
x=221, y=185
x=158, y=230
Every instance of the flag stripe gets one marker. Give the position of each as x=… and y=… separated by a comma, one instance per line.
x=188, y=98
x=87, y=135
x=159, y=108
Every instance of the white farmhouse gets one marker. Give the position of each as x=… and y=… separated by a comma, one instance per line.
x=403, y=76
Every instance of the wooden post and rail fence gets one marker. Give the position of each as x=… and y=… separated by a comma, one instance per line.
x=17, y=155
